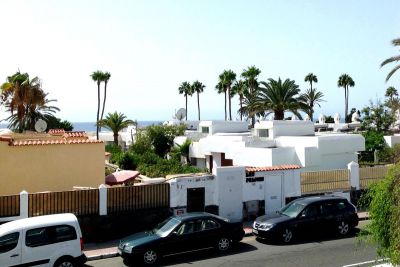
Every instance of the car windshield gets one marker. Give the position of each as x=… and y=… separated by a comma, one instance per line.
x=165, y=228
x=292, y=209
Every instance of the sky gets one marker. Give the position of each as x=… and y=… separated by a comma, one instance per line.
x=150, y=47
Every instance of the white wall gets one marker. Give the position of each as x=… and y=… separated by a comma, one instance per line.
x=286, y=128
x=179, y=186
x=251, y=156
x=230, y=190
x=224, y=126
x=392, y=140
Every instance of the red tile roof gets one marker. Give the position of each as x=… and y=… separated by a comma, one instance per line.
x=52, y=142
x=56, y=131
x=75, y=134
x=273, y=168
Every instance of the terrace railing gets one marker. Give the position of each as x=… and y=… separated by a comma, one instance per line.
x=369, y=175
x=325, y=181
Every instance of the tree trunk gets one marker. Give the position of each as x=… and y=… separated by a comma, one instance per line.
x=104, y=100
x=279, y=115
x=116, y=139
x=346, y=105
x=241, y=107
x=225, y=103
x=98, y=110
x=198, y=104
x=186, y=109
x=229, y=101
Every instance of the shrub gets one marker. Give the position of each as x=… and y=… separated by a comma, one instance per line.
x=115, y=151
x=128, y=161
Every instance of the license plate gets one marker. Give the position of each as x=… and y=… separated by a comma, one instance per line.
x=255, y=231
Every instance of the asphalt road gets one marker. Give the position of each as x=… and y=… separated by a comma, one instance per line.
x=326, y=251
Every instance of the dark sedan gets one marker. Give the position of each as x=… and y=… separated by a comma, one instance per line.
x=307, y=216
x=178, y=234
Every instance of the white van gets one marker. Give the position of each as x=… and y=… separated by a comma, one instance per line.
x=51, y=240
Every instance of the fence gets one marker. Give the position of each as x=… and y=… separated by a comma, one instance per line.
x=370, y=175
x=9, y=206
x=324, y=181
x=100, y=201
x=80, y=202
x=131, y=198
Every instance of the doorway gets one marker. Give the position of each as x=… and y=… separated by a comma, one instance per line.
x=195, y=199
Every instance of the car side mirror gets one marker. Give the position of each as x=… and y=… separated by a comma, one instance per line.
x=174, y=233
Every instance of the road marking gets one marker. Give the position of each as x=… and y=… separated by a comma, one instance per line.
x=365, y=262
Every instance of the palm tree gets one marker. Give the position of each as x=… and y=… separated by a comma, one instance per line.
x=198, y=87
x=115, y=122
x=106, y=77
x=98, y=77
x=395, y=42
x=346, y=81
x=221, y=89
x=311, y=78
x=278, y=97
x=391, y=92
x=393, y=101
x=186, y=89
x=240, y=89
x=309, y=99
x=21, y=95
x=250, y=76
x=227, y=78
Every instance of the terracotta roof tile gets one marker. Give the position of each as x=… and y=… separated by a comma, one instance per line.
x=52, y=142
x=75, y=134
x=273, y=168
x=56, y=131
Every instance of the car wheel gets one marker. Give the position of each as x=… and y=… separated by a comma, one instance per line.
x=64, y=262
x=150, y=257
x=287, y=235
x=343, y=228
x=223, y=244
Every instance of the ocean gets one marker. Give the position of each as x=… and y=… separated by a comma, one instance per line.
x=91, y=126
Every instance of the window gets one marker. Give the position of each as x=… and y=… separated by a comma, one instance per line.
x=310, y=211
x=37, y=237
x=50, y=235
x=186, y=228
x=208, y=224
x=327, y=209
x=8, y=242
x=341, y=205
x=205, y=130
x=263, y=133
x=64, y=233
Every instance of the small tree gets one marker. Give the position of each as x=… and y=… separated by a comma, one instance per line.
x=377, y=117
x=383, y=229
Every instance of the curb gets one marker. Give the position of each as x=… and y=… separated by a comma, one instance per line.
x=102, y=256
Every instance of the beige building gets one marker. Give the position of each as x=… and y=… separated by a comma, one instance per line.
x=54, y=161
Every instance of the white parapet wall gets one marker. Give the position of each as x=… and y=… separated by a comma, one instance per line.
x=213, y=127
x=286, y=128
x=392, y=140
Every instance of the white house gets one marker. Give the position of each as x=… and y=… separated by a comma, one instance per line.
x=271, y=143
x=235, y=192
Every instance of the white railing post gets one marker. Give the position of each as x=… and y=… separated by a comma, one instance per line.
x=354, y=169
x=102, y=199
x=23, y=204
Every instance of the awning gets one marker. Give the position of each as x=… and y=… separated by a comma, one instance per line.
x=121, y=177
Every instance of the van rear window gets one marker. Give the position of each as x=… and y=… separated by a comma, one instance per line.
x=49, y=235
x=8, y=242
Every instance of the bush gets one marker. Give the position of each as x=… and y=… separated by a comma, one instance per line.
x=115, y=151
x=128, y=161
x=383, y=229
x=374, y=140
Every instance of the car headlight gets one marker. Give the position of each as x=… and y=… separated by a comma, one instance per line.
x=262, y=226
x=126, y=248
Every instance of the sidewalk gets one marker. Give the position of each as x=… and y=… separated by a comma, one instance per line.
x=96, y=251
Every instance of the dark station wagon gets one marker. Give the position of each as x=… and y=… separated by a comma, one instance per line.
x=308, y=216
x=179, y=234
